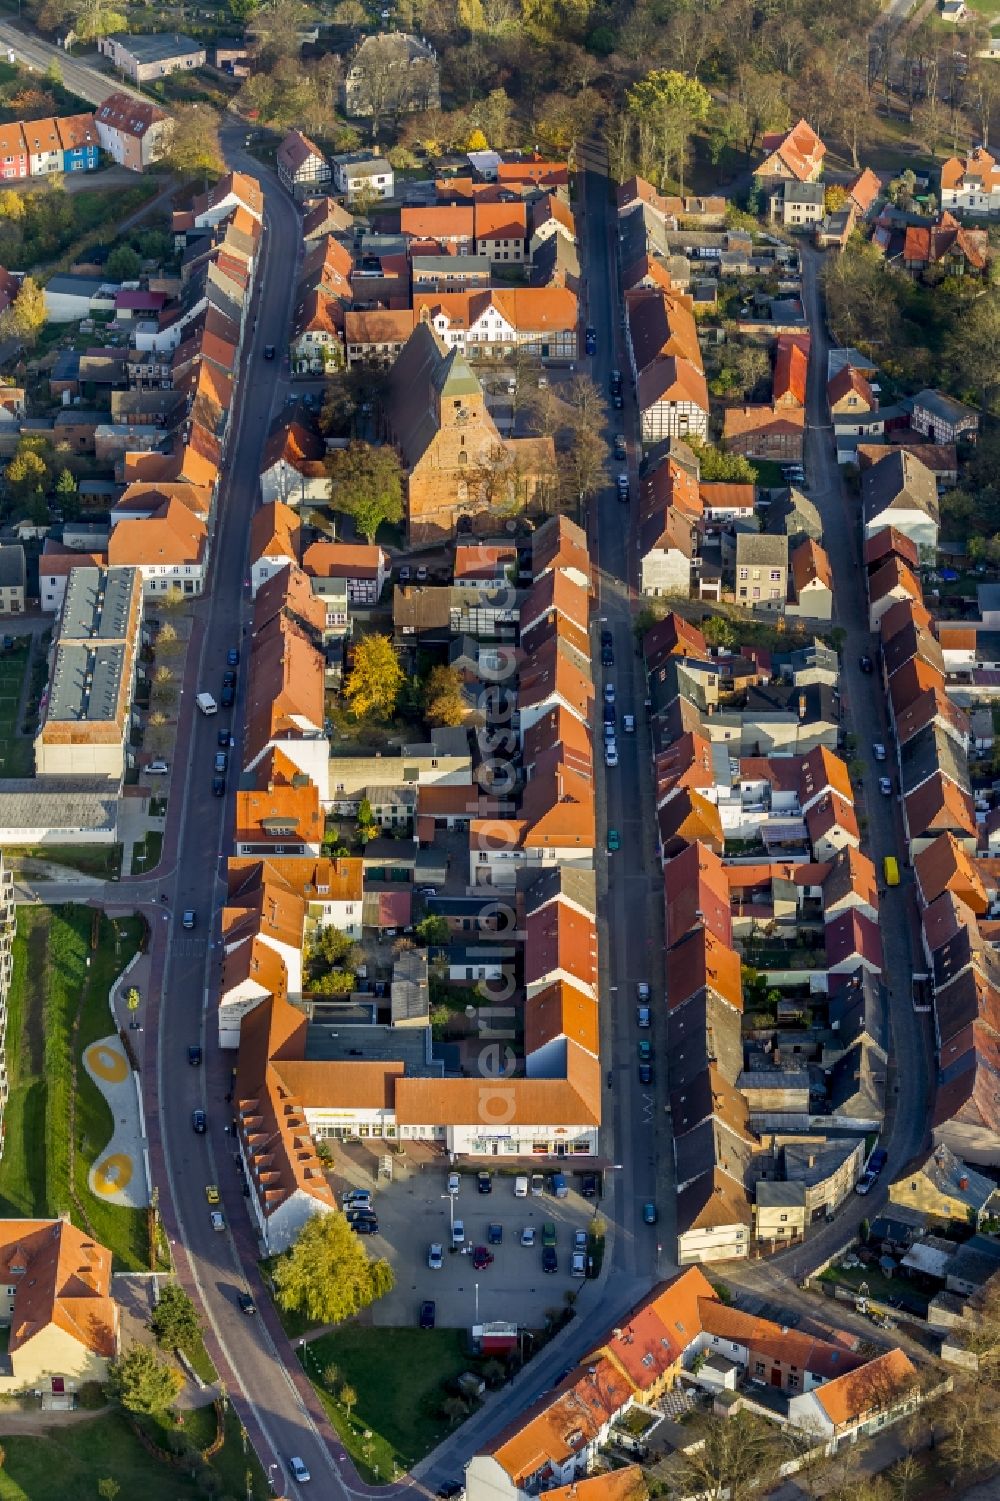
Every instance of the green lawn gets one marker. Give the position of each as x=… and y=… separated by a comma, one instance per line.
x=769, y=474
x=398, y=1375
x=16, y=752
x=66, y=1464
x=98, y=860
x=50, y=980
x=146, y=856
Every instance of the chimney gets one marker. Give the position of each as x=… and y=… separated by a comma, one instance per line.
x=802, y=706
x=963, y=1182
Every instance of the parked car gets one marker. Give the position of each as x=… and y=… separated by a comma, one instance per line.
x=590, y=340
x=537, y=1185
x=866, y=664
x=548, y=1233
x=588, y=1185
x=611, y=753
x=357, y=1198
x=481, y=1258
x=550, y=1261
x=614, y=841
x=435, y=1257
x=578, y=1264
x=229, y=678
x=865, y=1184
x=458, y=1233
x=427, y=1312
x=879, y=750
x=621, y=452
x=623, y=487
x=579, y=1240
x=609, y=693
x=878, y=1160
x=642, y=1016
x=494, y=1235
x=521, y=1186
x=528, y=1235
x=885, y=786
x=233, y=657
x=218, y=786
x=454, y=1183
x=366, y=1226
x=221, y=763
x=645, y=1051
x=645, y=1073
x=484, y=1183
x=649, y=1215
x=642, y=991
x=269, y=351
x=226, y=739
x=560, y=1188
x=158, y=768
x=228, y=696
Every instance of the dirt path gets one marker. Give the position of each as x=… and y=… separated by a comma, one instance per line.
x=36, y=1421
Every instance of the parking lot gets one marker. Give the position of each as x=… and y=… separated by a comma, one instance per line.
x=414, y=1212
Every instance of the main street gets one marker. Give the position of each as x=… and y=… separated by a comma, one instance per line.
x=90, y=77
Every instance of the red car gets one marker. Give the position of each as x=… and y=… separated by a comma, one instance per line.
x=482, y=1258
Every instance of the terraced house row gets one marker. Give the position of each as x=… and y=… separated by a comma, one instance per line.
x=776, y=1008
x=510, y=871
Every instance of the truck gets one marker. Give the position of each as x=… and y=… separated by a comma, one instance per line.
x=206, y=703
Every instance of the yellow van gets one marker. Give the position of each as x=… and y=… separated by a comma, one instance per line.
x=891, y=869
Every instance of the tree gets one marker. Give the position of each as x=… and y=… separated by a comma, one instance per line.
x=242, y=10
x=477, y=141
x=442, y=696
x=737, y=1460
x=667, y=105
x=108, y=1488
x=366, y=483
x=433, y=930
x=348, y=1399
x=454, y=1409
x=974, y=346
x=327, y=1274
x=715, y=464
x=750, y=364
x=834, y=197
x=95, y=18
x=123, y=264
x=27, y=472
x=194, y=149
x=25, y=318
x=66, y=485
x=142, y=1382
x=175, y=1319
x=331, y=1375
x=375, y=680
x=719, y=631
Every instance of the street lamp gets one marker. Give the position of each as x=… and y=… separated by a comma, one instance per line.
x=451, y=1206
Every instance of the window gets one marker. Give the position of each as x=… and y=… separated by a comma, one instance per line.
x=744, y=573
x=783, y=1218
x=758, y=1368
x=775, y=574
x=793, y=1382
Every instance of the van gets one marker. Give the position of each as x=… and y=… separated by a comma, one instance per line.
x=559, y=1187
x=642, y=1015
x=521, y=1186
x=206, y=703
x=890, y=867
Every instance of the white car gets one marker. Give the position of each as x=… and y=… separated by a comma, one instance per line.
x=218, y=1223
x=609, y=693
x=611, y=753
x=528, y=1236
x=298, y=1469
x=454, y=1183
x=885, y=786
x=628, y=723
x=458, y=1233
x=521, y=1186
x=879, y=750
x=435, y=1257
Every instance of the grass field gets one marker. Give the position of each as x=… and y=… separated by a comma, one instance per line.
x=98, y=860
x=17, y=757
x=65, y=1464
x=398, y=1375
x=51, y=948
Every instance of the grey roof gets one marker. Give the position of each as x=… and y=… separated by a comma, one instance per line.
x=578, y=886
x=771, y=1194
x=395, y=47
x=908, y=643
x=794, y=516
x=157, y=47
x=97, y=603
x=12, y=566
x=701, y=1030
x=758, y=549
x=557, y=253
x=67, y=804
x=858, y=1008
x=451, y=265
x=83, y=286
x=709, y=1145
x=773, y=1078
x=812, y=1162
x=783, y=698
x=976, y=1261
x=803, y=192
x=944, y=407
x=856, y=1084
x=947, y=1173
x=933, y=749
x=900, y=482
x=85, y=683
x=363, y=163
x=410, y=991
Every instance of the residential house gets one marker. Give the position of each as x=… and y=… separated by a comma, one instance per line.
x=132, y=131
x=13, y=577
x=63, y=1322
x=947, y=243
x=144, y=58
x=667, y=548
x=302, y=167
x=169, y=548
x=793, y=155
x=490, y=324
x=363, y=175
x=901, y=492
x=863, y=191
x=791, y=369
x=946, y=1191
x=944, y=419
x=501, y=231
x=376, y=337
x=391, y=73
x=551, y=217
x=794, y=204
x=45, y=149
x=451, y=226
x=667, y=366
x=971, y=184
x=364, y=567
x=812, y=582
x=275, y=542
x=765, y=432
x=761, y=572
x=293, y=468
x=325, y=216
x=14, y=157
x=449, y=273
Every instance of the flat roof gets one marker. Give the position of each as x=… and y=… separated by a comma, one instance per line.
x=98, y=604
x=85, y=682
x=156, y=47
x=340, y=1039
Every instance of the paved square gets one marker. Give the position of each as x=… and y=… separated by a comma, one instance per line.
x=413, y=1212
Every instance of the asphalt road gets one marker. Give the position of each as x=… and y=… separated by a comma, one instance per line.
x=91, y=77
